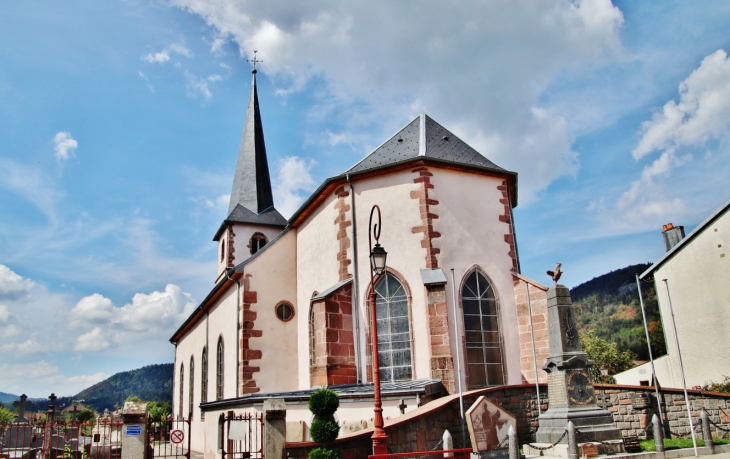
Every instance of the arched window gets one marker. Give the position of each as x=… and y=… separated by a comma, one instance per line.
x=257, y=242
x=394, y=330
x=204, y=376
x=481, y=326
x=191, y=389
x=182, y=383
x=219, y=371
x=223, y=249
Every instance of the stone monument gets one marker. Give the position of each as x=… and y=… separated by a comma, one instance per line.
x=570, y=391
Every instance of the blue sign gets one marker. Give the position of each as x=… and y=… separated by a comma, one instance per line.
x=133, y=431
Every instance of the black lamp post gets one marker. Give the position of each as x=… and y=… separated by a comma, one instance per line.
x=377, y=264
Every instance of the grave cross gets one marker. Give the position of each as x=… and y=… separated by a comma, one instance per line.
x=254, y=61
x=21, y=408
x=402, y=406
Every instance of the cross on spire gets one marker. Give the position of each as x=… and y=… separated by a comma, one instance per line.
x=254, y=61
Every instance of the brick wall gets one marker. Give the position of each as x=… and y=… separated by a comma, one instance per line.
x=538, y=303
x=333, y=339
x=427, y=216
x=506, y=217
x=247, y=381
x=421, y=429
x=342, y=238
x=442, y=363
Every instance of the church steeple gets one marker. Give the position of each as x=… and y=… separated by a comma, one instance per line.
x=252, y=201
x=251, y=182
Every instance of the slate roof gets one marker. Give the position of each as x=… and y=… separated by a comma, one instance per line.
x=424, y=387
x=424, y=137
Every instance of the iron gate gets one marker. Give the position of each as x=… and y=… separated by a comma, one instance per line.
x=241, y=436
x=170, y=437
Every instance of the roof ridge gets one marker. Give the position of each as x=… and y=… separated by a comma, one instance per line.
x=381, y=145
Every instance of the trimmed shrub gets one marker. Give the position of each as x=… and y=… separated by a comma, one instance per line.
x=324, y=402
x=324, y=430
x=325, y=453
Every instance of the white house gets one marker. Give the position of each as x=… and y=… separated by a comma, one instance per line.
x=694, y=274
x=289, y=309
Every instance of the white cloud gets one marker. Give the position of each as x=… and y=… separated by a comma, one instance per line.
x=29, y=347
x=4, y=313
x=92, y=341
x=293, y=178
x=40, y=378
x=32, y=184
x=198, y=87
x=13, y=286
x=147, y=82
x=702, y=114
x=148, y=317
x=8, y=331
x=64, y=145
x=479, y=68
x=164, y=55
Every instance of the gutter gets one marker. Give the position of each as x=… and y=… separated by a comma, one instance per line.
x=356, y=286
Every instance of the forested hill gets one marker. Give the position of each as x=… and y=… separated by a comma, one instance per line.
x=152, y=383
x=609, y=304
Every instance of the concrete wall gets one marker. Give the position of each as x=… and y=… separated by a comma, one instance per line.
x=642, y=373
x=698, y=275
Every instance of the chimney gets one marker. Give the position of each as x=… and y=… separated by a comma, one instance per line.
x=672, y=235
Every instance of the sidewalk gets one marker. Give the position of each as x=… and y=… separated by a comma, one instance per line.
x=721, y=452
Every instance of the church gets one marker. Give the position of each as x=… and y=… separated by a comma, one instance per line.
x=290, y=308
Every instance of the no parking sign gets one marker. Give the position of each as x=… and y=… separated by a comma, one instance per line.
x=177, y=436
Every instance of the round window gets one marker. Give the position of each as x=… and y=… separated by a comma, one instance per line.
x=284, y=311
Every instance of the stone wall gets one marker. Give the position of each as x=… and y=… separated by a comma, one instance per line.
x=421, y=429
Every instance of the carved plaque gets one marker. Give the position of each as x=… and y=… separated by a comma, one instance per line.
x=589, y=450
x=580, y=389
x=488, y=424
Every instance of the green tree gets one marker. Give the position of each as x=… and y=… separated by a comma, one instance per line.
x=159, y=411
x=6, y=415
x=605, y=354
x=132, y=398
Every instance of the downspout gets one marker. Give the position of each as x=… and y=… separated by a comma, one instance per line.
x=238, y=327
x=514, y=235
x=356, y=285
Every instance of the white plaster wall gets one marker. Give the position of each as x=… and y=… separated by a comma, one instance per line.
x=242, y=236
x=471, y=234
x=317, y=270
x=634, y=376
x=400, y=213
x=699, y=284
x=274, y=279
x=220, y=321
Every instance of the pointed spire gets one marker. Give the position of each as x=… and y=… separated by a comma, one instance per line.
x=251, y=183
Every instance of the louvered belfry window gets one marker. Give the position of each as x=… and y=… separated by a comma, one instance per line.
x=219, y=371
x=481, y=328
x=394, y=330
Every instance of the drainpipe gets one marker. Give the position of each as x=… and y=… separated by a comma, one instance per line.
x=238, y=327
x=512, y=226
x=356, y=285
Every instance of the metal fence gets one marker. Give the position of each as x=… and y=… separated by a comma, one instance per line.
x=241, y=436
x=99, y=439
x=170, y=437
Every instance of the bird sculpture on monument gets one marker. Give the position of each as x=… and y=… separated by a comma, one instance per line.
x=556, y=274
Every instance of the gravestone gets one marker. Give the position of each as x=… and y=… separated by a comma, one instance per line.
x=21, y=408
x=570, y=391
x=18, y=437
x=488, y=425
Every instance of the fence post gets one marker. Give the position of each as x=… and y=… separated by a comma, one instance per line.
x=706, y=432
x=274, y=428
x=447, y=442
x=572, y=441
x=135, y=440
x=656, y=427
x=48, y=428
x=514, y=443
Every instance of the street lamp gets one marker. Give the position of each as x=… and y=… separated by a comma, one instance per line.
x=377, y=264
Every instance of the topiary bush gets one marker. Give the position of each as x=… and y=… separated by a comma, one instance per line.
x=324, y=430
x=325, y=453
x=324, y=402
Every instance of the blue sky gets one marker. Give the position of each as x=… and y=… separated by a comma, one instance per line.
x=120, y=123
